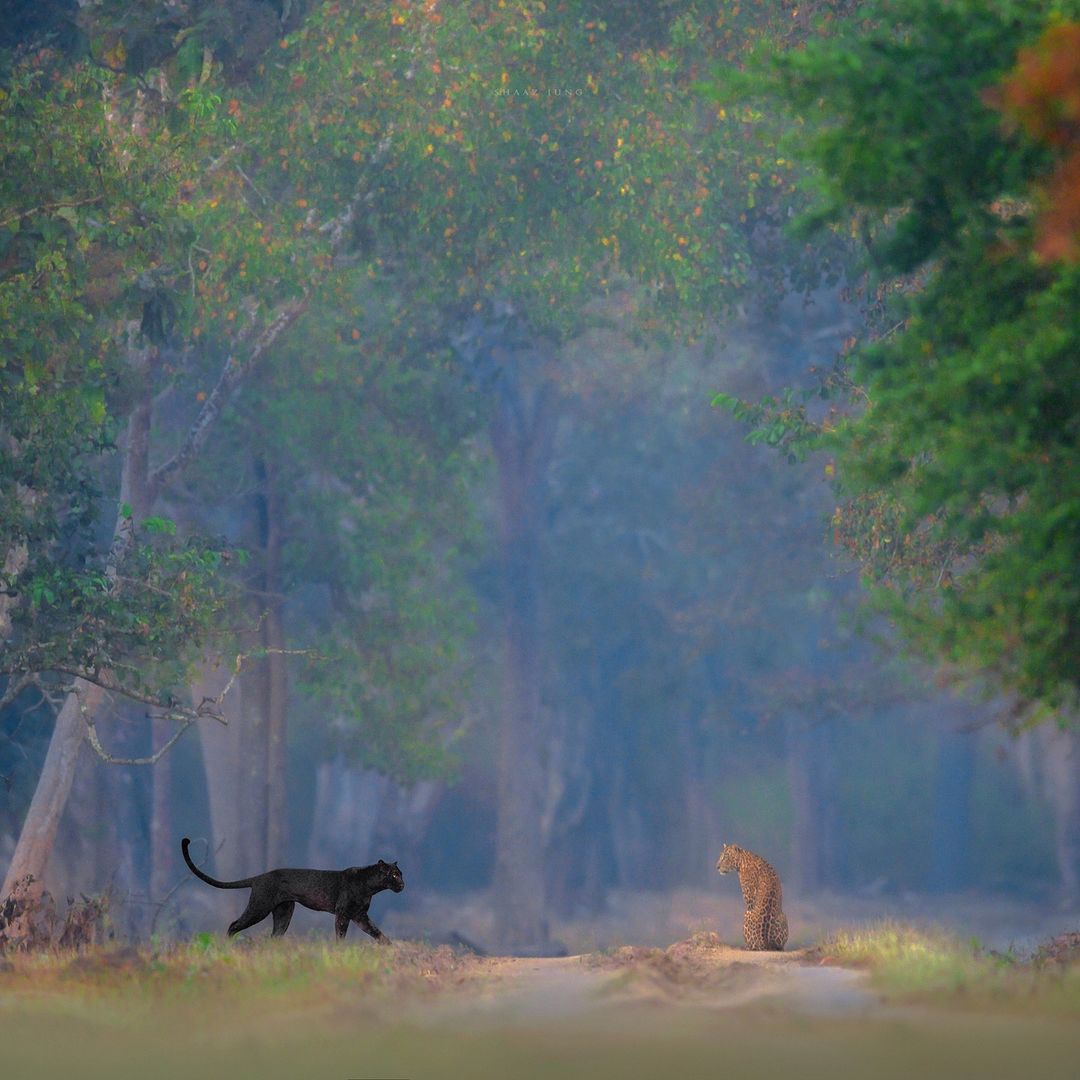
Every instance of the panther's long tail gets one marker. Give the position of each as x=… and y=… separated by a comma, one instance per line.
x=206, y=877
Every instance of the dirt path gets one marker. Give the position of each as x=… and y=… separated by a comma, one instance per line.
x=700, y=1009
x=701, y=975
x=697, y=1009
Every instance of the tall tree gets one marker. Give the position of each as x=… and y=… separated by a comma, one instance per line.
x=439, y=149
x=958, y=462
x=512, y=196
x=135, y=158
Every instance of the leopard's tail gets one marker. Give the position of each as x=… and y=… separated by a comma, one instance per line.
x=184, y=844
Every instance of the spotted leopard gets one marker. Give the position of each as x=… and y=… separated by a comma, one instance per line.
x=764, y=924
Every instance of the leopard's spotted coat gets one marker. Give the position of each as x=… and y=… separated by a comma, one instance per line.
x=764, y=924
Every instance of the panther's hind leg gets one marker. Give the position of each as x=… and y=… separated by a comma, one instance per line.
x=255, y=912
x=282, y=916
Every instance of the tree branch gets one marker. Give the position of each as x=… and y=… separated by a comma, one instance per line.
x=186, y=715
x=231, y=375
x=45, y=207
x=16, y=686
x=95, y=743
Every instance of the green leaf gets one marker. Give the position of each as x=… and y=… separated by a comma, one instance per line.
x=159, y=525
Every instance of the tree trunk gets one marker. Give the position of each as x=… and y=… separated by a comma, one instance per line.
x=952, y=811
x=50, y=796
x=521, y=434
x=250, y=780
x=1060, y=751
x=348, y=800
x=221, y=752
x=42, y=819
x=274, y=666
x=277, y=821
x=163, y=838
x=99, y=841
x=698, y=827
x=139, y=488
x=814, y=839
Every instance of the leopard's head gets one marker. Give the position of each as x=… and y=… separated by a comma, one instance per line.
x=391, y=876
x=729, y=858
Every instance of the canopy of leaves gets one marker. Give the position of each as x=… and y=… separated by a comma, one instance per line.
x=85, y=217
x=522, y=152
x=962, y=469
x=398, y=167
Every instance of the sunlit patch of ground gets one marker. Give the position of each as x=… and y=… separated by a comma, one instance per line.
x=699, y=1008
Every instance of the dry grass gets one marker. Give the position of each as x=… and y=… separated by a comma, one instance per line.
x=267, y=1009
x=915, y=963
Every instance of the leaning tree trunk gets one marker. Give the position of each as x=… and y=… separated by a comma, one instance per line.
x=50, y=797
x=139, y=490
x=522, y=432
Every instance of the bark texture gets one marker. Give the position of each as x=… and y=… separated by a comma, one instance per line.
x=522, y=433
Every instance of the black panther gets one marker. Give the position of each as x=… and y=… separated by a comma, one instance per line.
x=346, y=893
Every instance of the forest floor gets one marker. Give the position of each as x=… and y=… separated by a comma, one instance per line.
x=698, y=1008
x=657, y=919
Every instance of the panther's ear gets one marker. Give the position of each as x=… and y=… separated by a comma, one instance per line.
x=383, y=865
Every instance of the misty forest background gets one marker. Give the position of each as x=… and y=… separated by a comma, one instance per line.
x=439, y=394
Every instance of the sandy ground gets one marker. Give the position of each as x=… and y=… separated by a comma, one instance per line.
x=659, y=919
x=703, y=1008
x=698, y=1008
x=703, y=974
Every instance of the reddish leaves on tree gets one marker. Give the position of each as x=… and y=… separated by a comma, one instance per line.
x=1042, y=95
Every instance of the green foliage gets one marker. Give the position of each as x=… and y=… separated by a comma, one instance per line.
x=387, y=523
x=87, y=212
x=533, y=157
x=960, y=454
x=133, y=629
x=492, y=155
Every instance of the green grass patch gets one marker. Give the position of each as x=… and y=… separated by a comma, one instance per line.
x=926, y=964
x=129, y=982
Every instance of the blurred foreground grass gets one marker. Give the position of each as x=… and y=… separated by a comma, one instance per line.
x=302, y=1009
x=924, y=965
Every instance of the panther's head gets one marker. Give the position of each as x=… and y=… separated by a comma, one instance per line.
x=391, y=876
x=729, y=858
